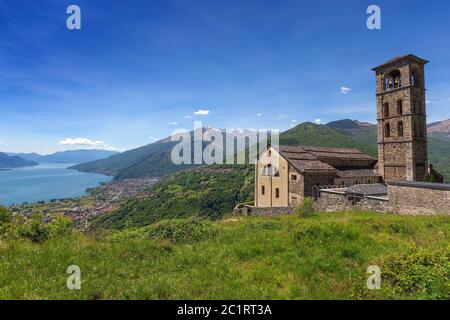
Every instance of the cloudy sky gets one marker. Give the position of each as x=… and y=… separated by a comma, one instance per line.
x=137, y=70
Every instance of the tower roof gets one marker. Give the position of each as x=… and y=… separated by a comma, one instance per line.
x=409, y=57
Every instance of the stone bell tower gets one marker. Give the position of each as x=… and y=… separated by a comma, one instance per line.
x=401, y=119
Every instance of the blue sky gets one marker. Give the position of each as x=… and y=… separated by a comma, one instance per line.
x=139, y=69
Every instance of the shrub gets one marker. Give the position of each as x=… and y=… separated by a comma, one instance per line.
x=181, y=230
x=305, y=208
x=59, y=226
x=5, y=215
x=175, y=230
x=35, y=229
x=419, y=271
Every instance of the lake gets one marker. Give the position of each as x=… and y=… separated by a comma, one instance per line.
x=45, y=182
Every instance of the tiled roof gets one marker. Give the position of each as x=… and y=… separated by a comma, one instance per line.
x=356, y=173
x=315, y=158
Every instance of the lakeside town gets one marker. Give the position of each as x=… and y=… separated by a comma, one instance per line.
x=97, y=201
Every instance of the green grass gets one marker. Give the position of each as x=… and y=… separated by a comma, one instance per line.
x=324, y=256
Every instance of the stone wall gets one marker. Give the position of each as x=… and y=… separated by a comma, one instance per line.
x=419, y=198
x=331, y=201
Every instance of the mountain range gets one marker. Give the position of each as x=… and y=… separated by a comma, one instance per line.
x=154, y=159
x=11, y=162
x=69, y=156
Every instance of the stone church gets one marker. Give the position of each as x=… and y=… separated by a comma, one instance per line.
x=286, y=175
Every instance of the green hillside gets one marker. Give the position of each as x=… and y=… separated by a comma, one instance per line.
x=311, y=134
x=209, y=192
x=325, y=256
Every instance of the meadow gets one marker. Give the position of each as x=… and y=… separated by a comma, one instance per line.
x=323, y=256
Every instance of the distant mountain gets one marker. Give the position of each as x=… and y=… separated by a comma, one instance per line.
x=10, y=162
x=440, y=130
x=69, y=156
x=152, y=160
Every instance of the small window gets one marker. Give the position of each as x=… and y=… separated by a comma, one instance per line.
x=294, y=177
x=270, y=153
x=400, y=129
x=399, y=107
x=387, y=130
x=277, y=193
x=263, y=190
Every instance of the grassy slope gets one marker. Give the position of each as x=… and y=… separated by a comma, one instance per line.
x=321, y=257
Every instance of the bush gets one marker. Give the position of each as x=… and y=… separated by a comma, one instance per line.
x=34, y=229
x=305, y=208
x=5, y=215
x=419, y=272
x=181, y=230
x=37, y=230
x=175, y=230
x=59, y=226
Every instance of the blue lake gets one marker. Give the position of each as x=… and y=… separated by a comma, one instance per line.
x=45, y=182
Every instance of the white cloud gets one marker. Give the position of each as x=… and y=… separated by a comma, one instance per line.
x=173, y=123
x=318, y=121
x=345, y=90
x=201, y=112
x=154, y=139
x=85, y=142
x=294, y=121
x=189, y=117
x=259, y=114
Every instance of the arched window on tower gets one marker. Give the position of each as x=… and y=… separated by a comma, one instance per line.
x=399, y=107
x=387, y=130
x=385, y=109
x=400, y=129
x=393, y=80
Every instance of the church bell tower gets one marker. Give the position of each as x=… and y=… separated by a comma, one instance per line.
x=401, y=119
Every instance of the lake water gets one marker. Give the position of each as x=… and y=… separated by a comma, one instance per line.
x=45, y=182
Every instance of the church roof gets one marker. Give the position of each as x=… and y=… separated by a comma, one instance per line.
x=315, y=158
x=356, y=173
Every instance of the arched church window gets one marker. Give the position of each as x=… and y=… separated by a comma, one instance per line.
x=393, y=80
